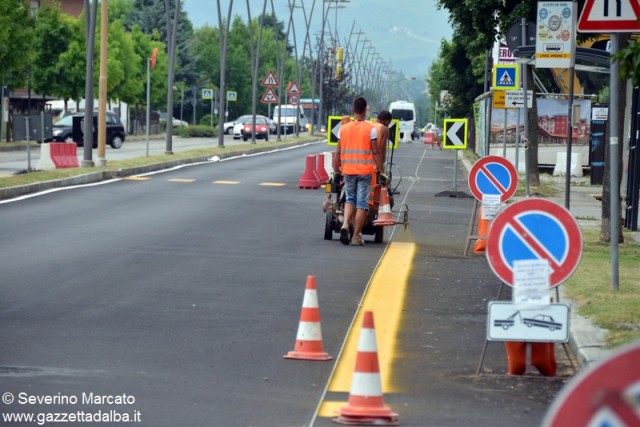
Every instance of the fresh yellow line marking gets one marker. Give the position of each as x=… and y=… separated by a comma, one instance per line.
x=136, y=178
x=226, y=182
x=181, y=180
x=384, y=296
x=273, y=184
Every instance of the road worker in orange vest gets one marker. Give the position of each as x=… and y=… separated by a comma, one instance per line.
x=357, y=157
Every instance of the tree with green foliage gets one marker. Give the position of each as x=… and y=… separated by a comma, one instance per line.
x=150, y=16
x=16, y=41
x=53, y=33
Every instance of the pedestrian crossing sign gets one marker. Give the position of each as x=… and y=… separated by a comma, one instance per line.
x=506, y=77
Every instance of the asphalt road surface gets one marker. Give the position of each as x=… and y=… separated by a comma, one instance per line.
x=171, y=298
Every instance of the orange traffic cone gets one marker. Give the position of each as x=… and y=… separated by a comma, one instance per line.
x=483, y=233
x=309, y=338
x=366, y=402
x=384, y=213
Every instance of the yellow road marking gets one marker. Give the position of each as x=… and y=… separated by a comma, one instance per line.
x=136, y=178
x=226, y=182
x=385, y=297
x=181, y=180
x=273, y=184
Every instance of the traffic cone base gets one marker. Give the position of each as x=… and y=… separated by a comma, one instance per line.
x=309, y=338
x=384, y=213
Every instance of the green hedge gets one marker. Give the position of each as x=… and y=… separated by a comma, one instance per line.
x=195, y=131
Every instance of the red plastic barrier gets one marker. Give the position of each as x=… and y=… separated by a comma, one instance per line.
x=309, y=178
x=64, y=154
x=320, y=170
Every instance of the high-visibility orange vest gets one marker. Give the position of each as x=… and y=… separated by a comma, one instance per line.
x=356, y=156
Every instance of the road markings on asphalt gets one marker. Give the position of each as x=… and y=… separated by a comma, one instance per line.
x=272, y=184
x=185, y=180
x=226, y=182
x=385, y=295
x=136, y=178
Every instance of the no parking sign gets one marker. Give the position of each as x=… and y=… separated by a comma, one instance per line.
x=606, y=395
x=534, y=229
x=493, y=175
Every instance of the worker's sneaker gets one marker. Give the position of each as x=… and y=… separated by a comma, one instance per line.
x=344, y=235
x=357, y=240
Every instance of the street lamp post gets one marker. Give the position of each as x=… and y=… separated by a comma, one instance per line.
x=102, y=101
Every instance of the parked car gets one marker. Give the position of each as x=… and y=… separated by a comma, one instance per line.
x=228, y=127
x=63, y=130
x=262, y=129
x=176, y=122
x=240, y=122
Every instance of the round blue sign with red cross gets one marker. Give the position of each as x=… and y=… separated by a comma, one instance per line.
x=534, y=229
x=607, y=394
x=493, y=175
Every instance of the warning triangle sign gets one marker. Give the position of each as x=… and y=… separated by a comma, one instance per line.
x=605, y=16
x=270, y=79
x=269, y=97
x=294, y=89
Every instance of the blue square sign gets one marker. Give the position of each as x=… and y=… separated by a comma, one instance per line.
x=506, y=77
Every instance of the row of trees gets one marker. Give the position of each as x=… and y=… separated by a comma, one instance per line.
x=45, y=50
x=460, y=69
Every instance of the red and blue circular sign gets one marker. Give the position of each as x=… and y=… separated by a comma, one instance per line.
x=608, y=394
x=493, y=175
x=534, y=229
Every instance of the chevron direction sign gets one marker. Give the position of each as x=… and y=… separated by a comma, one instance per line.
x=455, y=134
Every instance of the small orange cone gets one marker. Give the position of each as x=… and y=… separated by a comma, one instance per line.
x=309, y=337
x=483, y=233
x=384, y=213
x=366, y=402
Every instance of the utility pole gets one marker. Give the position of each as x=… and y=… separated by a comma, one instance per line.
x=102, y=101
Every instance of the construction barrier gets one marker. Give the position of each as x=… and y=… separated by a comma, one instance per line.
x=366, y=401
x=309, y=178
x=58, y=155
x=328, y=161
x=309, y=338
x=542, y=357
x=320, y=170
x=431, y=139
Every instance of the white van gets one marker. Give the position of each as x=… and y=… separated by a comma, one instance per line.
x=285, y=116
x=405, y=112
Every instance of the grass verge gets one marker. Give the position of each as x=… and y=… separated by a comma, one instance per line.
x=113, y=165
x=590, y=288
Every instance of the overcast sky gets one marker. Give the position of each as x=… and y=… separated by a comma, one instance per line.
x=405, y=33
